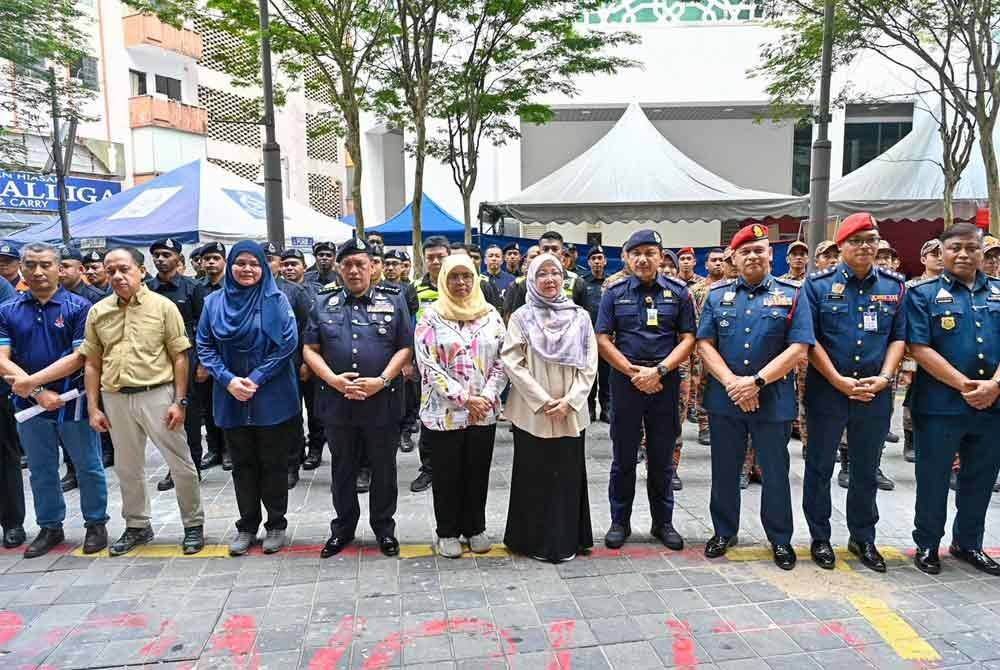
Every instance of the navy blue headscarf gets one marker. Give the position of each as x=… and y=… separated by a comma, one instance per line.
x=244, y=307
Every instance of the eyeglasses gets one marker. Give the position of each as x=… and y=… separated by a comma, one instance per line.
x=864, y=241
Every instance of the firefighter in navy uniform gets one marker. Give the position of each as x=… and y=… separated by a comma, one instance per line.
x=358, y=339
x=645, y=330
x=753, y=331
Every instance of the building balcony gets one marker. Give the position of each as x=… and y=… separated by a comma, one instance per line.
x=152, y=111
x=147, y=30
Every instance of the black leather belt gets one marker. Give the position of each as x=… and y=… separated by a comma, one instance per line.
x=130, y=390
x=645, y=364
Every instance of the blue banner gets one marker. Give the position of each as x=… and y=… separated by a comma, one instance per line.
x=40, y=193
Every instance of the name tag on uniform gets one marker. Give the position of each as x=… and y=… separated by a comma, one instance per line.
x=381, y=308
x=871, y=322
x=892, y=297
x=652, y=317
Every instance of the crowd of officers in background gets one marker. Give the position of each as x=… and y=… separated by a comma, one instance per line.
x=639, y=333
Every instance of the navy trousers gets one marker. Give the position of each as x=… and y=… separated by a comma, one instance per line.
x=866, y=436
x=770, y=440
x=630, y=410
x=378, y=445
x=937, y=439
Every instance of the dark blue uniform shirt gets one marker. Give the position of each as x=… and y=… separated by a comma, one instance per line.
x=963, y=326
x=39, y=335
x=625, y=314
x=752, y=325
x=360, y=334
x=187, y=294
x=595, y=291
x=502, y=281
x=88, y=292
x=855, y=319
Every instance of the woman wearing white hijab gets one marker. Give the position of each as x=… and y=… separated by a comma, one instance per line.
x=457, y=344
x=550, y=355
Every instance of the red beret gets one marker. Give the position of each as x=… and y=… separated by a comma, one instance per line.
x=855, y=223
x=750, y=233
x=686, y=250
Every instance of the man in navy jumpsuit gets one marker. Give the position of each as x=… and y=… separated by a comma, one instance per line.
x=953, y=331
x=358, y=339
x=645, y=330
x=860, y=331
x=753, y=332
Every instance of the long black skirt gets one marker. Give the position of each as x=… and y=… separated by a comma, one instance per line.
x=549, y=512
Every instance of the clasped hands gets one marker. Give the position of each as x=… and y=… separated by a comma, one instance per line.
x=980, y=394
x=862, y=390
x=23, y=385
x=645, y=379
x=743, y=391
x=356, y=387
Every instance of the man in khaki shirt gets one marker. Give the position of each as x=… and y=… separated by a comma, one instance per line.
x=136, y=347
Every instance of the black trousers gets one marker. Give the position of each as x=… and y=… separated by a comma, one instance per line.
x=259, y=474
x=214, y=438
x=425, y=449
x=600, y=391
x=317, y=434
x=378, y=444
x=192, y=417
x=11, y=482
x=411, y=405
x=462, y=461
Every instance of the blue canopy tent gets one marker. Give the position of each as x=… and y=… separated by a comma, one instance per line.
x=398, y=231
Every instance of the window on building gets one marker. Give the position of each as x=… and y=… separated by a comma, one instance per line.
x=864, y=141
x=169, y=87
x=138, y=82
x=802, y=158
x=85, y=70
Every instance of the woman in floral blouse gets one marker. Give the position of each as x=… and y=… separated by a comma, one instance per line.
x=457, y=344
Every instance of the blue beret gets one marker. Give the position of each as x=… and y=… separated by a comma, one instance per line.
x=213, y=248
x=93, y=256
x=293, y=253
x=596, y=249
x=10, y=249
x=641, y=237
x=168, y=243
x=353, y=246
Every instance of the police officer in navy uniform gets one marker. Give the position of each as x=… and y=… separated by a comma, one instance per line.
x=71, y=275
x=358, y=339
x=645, y=329
x=323, y=272
x=93, y=264
x=593, y=283
x=189, y=298
x=411, y=383
x=860, y=330
x=213, y=264
x=953, y=331
x=753, y=331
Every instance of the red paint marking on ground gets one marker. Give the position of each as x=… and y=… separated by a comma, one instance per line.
x=838, y=629
x=724, y=627
x=129, y=620
x=163, y=642
x=296, y=549
x=11, y=625
x=560, y=636
x=238, y=637
x=338, y=644
x=683, y=647
x=386, y=650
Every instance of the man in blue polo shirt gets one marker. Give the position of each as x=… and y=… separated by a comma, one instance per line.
x=39, y=334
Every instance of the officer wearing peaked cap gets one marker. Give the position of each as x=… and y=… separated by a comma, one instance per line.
x=645, y=329
x=324, y=272
x=358, y=339
x=860, y=329
x=753, y=331
x=97, y=277
x=71, y=275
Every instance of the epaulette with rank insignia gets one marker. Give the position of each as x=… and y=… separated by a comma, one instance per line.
x=796, y=283
x=617, y=282
x=921, y=282
x=385, y=288
x=676, y=280
x=332, y=287
x=893, y=274
x=822, y=273
x=722, y=283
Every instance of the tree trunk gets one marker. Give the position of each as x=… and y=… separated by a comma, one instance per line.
x=949, y=202
x=353, y=121
x=992, y=176
x=467, y=212
x=418, y=192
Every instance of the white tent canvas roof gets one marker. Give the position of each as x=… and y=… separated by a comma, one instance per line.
x=634, y=173
x=906, y=182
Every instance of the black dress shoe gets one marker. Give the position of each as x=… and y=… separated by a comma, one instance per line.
x=868, y=553
x=14, y=537
x=718, y=544
x=165, y=484
x=130, y=539
x=744, y=480
x=388, y=545
x=603, y=418
x=892, y=438
x=194, y=540
x=704, y=438
x=95, y=539
x=69, y=482
x=953, y=480
x=676, y=483
x=334, y=546
x=108, y=459
x=844, y=478
x=822, y=554
x=227, y=462
x=670, y=538
x=406, y=442
x=210, y=460
x=784, y=556
x=977, y=559
x=364, y=481
x=46, y=540
x=421, y=483
x=312, y=461
x=883, y=482
x=927, y=560
x=293, y=479
x=616, y=536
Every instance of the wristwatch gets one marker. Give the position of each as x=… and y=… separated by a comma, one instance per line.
x=662, y=370
x=37, y=391
x=887, y=378
x=385, y=381
x=759, y=381
x=183, y=402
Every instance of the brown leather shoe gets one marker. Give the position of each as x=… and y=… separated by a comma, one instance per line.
x=96, y=539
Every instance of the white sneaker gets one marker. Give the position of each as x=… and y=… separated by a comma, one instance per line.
x=480, y=544
x=241, y=545
x=274, y=540
x=449, y=547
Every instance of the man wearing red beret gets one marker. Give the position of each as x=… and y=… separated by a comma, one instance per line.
x=753, y=331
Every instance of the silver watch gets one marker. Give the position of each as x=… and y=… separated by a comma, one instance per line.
x=385, y=381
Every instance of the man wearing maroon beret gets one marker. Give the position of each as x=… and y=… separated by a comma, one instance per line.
x=753, y=331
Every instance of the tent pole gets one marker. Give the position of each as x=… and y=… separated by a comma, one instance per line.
x=819, y=190
x=272, y=152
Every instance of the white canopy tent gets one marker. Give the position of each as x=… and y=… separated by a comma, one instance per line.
x=906, y=182
x=634, y=173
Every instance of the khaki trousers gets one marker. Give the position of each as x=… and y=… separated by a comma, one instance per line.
x=135, y=417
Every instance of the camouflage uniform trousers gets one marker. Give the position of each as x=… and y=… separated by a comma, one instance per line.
x=683, y=401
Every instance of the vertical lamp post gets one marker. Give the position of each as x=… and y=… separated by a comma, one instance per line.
x=272, y=152
x=819, y=190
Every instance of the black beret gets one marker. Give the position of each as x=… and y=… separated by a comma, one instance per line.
x=353, y=246
x=395, y=255
x=325, y=246
x=594, y=250
x=293, y=253
x=93, y=256
x=70, y=254
x=511, y=246
x=168, y=243
x=213, y=248
x=269, y=249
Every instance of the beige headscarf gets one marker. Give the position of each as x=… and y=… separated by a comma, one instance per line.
x=447, y=305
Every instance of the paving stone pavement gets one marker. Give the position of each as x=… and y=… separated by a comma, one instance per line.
x=642, y=607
